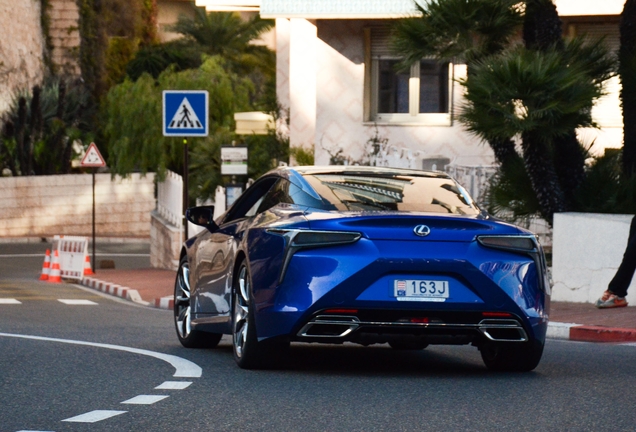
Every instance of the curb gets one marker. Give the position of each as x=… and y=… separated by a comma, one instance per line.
x=113, y=289
x=586, y=333
x=164, y=303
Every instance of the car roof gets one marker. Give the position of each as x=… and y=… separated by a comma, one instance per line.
x=357, y=170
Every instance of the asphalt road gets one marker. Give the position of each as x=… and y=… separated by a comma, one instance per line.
x=24, y=260
x=43, y=382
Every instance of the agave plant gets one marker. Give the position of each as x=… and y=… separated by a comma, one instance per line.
x=41, y=126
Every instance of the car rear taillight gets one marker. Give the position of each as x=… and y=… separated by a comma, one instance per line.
x=523, y=244
x=324, y=238
x=513, y=243
x=296, y=240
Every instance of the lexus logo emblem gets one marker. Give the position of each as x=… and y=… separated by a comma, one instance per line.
x=422, y=230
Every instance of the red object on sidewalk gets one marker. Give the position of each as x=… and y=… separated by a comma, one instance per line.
x=55, y=276
x=87, y=266
x=46, y=266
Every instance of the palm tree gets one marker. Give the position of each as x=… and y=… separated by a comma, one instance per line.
x=517, y=92
x=469, y=30
x=227, y=35
x=627, y=71
x=541, y=96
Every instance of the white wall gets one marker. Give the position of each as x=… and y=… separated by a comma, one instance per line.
x=587, y=250
x=340, y=104
x=302, y=82
x=44, y=206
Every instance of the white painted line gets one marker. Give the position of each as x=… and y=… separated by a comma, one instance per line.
x=41, y=255
x=9, y=301
x=32, y=431
x=94, y=416
x=77, y=302
x=183, y=368
x=145, y=399
x=174, y=385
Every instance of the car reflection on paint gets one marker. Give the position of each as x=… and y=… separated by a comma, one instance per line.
x=366, y=255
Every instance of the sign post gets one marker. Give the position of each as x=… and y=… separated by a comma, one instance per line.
x=93, y=159
x=185, y=114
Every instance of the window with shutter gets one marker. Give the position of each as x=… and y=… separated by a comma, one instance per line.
x=421, y=93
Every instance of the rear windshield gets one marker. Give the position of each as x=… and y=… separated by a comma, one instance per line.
x=392, y=193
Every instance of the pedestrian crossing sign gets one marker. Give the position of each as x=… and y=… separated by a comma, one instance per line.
x=185, y=113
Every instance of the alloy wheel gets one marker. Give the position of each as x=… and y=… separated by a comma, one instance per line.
x=182, y=310
x=241, y=312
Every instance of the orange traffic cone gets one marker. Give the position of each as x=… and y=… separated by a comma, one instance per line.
x=55, y=276
x=87, y=266
x=46, y=267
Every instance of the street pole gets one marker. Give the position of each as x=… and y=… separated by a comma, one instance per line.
x=94, y=268
x=186, y=162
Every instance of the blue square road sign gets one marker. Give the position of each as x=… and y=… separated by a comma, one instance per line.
x=185, y=113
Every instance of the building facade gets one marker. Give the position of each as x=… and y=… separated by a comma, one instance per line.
x=335, y=73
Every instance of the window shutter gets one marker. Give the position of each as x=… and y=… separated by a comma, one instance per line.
x=381, y=42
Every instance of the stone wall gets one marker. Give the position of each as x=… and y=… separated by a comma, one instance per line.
x=587, y=250
x=21, y=48
x=65, y=37
x=44, y=206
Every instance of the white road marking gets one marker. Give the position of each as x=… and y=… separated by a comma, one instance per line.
x=174, y=385
x=9, y=301
x=32, y=431
x=94, y=416
x=183, y=368
x=145, y=399
x=74, y=302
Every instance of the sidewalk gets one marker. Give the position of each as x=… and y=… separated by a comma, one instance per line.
x=572, y=321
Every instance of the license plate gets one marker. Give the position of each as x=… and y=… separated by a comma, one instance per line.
x=421, y=290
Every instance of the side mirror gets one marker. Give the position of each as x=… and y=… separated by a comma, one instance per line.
x=202, y=216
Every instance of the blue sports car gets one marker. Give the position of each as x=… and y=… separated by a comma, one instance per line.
x=366, y=255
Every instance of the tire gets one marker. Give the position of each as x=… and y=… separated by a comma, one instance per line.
x=512, y=357
x=188, y=337
x=249, y=353
x=405, y=346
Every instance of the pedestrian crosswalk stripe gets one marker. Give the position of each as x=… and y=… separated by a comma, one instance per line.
x=94, y=416
x=145, y=399
x=174, y=385
x=9, y=301
x=74, y=302
x=185, y=117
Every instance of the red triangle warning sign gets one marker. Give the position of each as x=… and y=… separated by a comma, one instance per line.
x=93, y=158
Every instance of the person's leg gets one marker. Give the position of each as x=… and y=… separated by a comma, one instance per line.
x=625, y=272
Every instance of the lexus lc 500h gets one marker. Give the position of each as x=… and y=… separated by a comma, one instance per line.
x=365, y=255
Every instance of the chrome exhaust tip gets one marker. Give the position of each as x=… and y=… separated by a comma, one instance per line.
x=503, y=330
x=330, y=326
